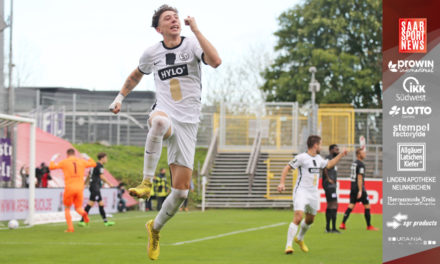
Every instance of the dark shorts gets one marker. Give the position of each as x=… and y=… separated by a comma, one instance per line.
x=364, y=198
x=95, y=195
x=330, y=193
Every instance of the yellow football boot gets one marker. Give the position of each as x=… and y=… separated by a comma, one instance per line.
x=289, y=250
x=301, y=245
x=153, y=246
x=143, y=190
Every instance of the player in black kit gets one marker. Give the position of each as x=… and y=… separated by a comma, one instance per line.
x=358, y=192
x=97, y=176
x=329, y=180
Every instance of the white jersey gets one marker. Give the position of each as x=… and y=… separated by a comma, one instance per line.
x=177, y=76
x=308, y=170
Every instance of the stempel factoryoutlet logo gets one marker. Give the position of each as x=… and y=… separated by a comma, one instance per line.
x=412, y=35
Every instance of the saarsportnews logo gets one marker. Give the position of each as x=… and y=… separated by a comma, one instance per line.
x=410, y=111
x=412, y=35
x=411, y=66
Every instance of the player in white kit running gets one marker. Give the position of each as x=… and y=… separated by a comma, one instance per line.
x=305, y=192
x=176, y=65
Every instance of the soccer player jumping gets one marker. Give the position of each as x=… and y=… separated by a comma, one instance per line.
x=73, y=170
x=305, y=194
x=175, y=63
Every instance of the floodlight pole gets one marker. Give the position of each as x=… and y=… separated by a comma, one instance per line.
x=314, y=87
x=11, y=65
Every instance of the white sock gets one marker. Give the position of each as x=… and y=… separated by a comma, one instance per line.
x=291, y=232
x=153, y=145
x=170, y=207
x=303, y=229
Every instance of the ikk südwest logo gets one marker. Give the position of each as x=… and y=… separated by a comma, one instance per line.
x=412, y=35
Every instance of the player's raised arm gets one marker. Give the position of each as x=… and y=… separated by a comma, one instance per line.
x=133, y=79
x=210, y=53
x=90, y=162
x=52, y=164
x=336, y=159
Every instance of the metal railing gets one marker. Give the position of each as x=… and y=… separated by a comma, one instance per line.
x=210, y=156
x=253, y=159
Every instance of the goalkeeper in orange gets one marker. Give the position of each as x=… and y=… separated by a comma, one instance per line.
x=74, y=170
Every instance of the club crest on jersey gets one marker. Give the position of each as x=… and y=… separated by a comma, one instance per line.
x=174, y=71
x=184, y=56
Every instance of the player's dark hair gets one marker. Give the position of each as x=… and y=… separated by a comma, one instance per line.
x=158, y=12
x=331, y=147
x=101, y=155
x=312, y=140
x=358, y=151
x=70, y=152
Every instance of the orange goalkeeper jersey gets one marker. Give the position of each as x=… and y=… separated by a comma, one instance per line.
x=74, y=170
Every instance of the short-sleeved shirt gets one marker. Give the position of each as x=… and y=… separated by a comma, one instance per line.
x=357, y=168
x=332, y=174
x=177, y=77
x=95, y=179
x=309, y=168
x=73, y=170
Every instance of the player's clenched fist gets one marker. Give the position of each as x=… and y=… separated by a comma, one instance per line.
x=281, y=187
x=115, y=107
x=191, y=22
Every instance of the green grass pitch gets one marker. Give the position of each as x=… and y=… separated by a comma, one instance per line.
x=215, y=236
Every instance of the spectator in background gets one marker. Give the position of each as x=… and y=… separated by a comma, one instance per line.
x=148, y=201
x=45, y=175
x=39, y=176
x=185, y=203
x=160, y=187
x=121, y=203
x=24, y=173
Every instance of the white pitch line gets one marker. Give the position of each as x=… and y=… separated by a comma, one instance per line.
x=227, y=234
x=73, y=243
x=140, y=244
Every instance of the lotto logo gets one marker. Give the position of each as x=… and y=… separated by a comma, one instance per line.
x=412, y=35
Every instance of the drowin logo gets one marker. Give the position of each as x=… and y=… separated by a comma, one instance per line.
x=394, y=110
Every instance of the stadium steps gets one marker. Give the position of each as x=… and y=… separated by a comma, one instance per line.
x=228, y=185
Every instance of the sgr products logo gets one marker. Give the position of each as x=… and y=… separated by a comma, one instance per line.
x=411, y=156
x=411, y=66
x=412, y=35
x=410, y=111
x=415, y=92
